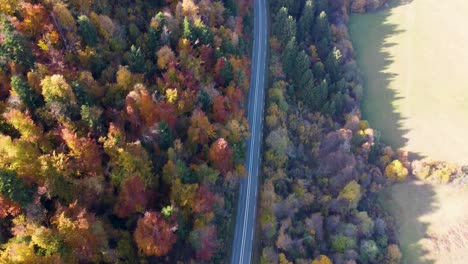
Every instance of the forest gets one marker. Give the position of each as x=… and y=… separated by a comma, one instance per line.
x=122, y=129
x=323, y=165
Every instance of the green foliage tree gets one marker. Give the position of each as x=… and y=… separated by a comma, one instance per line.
x=368, y=251
x=340, y=243
x=285, y=26
x=14, y=188
x=306, y=22
x=14, y=46
x=136, y=60
x=352, y=193
x=87, y=31
x=24, y=91
x=289, y=57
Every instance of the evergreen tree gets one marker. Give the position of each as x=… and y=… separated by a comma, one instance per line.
x=154, y=32
x=187, y=33
x=203, y=33
x=231, y=8
x=322, y=27
x=301, y=66
x=304, y=28
x=289, y=57
x=285, y=26
x=332, y=64
x=136, y=60
x=321, y=6
x=87, y=31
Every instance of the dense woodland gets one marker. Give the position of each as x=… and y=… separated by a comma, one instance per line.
x=323, y=165
x=122, y=129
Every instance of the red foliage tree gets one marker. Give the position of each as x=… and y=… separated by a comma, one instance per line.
x=8, y=207
x=166, y=112
x=221, y=155
x=154, y=235
x=207, y=56
x=220, y=65
x=220, y=109
x=143, y=111
x=132, y=198
x=204, y=200
x=204, y=241
x=81, y=231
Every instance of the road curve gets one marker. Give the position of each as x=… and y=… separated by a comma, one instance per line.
x=247, y=204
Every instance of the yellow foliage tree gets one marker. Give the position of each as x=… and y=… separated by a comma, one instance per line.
x=171, y=95
x=322, y=259
x=189, y=8
x=283, y=259
x=56, y=89
x=65, y=17
x=24, y=124
x=395, y=171
x=30, y=238
x=165, y=56
x=20, y=156
x=351, y=192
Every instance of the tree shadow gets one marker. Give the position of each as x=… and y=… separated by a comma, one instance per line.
x=371, y=38
x=407, y=202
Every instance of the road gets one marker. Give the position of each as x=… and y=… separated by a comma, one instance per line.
x=247, y=204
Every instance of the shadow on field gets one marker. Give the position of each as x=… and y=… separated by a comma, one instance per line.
x=407, y=203
x=370, y=37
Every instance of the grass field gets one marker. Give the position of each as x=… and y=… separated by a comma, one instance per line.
x=432, y=221
x=415, y=68
x=415, y=65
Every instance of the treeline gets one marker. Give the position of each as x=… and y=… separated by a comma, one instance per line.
x=122, y=129
x=323, y=165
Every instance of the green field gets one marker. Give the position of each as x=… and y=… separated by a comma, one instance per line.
x=415, y=66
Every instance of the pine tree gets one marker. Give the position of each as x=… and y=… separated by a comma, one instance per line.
x=304, y=29
x=289, y=57
x=136, y=60
x=285, y=26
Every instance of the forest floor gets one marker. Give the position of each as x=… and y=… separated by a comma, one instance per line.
x=432, y=221
x=414, y=61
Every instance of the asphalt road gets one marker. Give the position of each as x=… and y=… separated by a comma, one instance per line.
x=247, y=204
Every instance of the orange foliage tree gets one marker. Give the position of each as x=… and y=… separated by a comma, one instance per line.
x=154, y=235
x=221, y=155
x=200, y=130
x=81, y=231
x=85, y=151
x=8, y=207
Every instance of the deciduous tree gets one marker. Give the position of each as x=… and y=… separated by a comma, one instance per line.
x=221, y=155
x=154, y=235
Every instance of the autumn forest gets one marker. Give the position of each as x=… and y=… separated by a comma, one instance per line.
x=123, y=130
